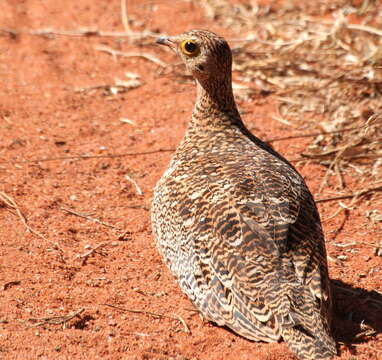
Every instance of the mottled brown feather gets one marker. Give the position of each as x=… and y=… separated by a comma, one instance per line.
x=235, y=222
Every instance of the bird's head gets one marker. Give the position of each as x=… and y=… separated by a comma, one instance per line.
x=206, y=55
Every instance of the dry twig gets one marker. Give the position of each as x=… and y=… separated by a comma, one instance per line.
x=118, y=87
x=85, y=157
x=85, y=255
x=314, y=134
x=186, y=329
x=11, y=204
x=11, y=33
x=136, y=186
x=9, y=284
x=88, y=33
x=124, y=17
x=54, y=320
x=356, y=195
x=144, y=55
x=88, y=217
x=369, y=29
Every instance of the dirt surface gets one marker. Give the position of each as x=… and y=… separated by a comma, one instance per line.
x=67, y=283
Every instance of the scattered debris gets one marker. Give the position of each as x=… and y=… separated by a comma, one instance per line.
x=374, y=215
x=367, y=330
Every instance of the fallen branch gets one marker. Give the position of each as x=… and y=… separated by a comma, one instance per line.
x=155, y=315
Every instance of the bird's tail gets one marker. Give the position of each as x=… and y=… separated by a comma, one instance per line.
x=307, y=331
x=309, y=346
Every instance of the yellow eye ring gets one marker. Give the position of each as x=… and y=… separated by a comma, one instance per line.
x=189, y=48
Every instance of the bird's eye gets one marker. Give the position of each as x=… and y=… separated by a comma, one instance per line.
x=189, y=47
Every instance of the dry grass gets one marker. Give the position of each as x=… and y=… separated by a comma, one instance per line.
x=325, y=73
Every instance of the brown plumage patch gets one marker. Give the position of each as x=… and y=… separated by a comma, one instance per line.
x=235, y=222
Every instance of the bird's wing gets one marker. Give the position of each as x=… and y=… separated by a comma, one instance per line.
x=264, y=250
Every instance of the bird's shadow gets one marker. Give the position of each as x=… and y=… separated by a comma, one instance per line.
x=356, y=314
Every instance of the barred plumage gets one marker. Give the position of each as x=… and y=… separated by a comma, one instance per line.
x=235, y=222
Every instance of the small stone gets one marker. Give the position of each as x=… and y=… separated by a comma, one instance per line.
x=112, y=322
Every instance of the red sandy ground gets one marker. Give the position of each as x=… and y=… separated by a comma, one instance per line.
x=43, y=116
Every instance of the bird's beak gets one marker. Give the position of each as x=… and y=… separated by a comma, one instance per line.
x=165, y=40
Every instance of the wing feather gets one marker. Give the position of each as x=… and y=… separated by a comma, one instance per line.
x=270, y=251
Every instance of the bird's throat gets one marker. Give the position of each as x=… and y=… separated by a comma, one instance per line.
x=214, y=104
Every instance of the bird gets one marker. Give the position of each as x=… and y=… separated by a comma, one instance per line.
x=236, y=223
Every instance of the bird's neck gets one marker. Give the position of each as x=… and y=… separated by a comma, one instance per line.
x=215, y=106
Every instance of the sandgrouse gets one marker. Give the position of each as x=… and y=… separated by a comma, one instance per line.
x=236, y=223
